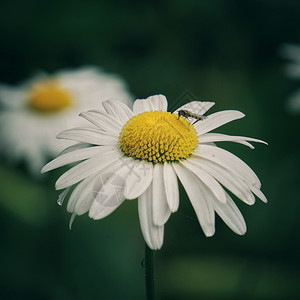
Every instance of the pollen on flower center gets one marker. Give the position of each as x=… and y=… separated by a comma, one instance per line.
x=48, y=96
x=158, y=137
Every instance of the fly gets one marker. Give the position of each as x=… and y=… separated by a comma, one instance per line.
x=187, y=114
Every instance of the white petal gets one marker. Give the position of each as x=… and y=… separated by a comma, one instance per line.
x=138, y=179
x=160, y=209
x=258, y=193
x=73, y=147
x=216, y=120
x=12, y=97
x=62, y=196
x=158, y=102
x=109, y=193
x=86, y=191
x=72, y=220
x=118, y=110
x=232, y=182
x=86, y=168
x=196, y=107
x=82, y=194
x=208, y=180
x=196, y=192
x=75, y=156
x=89, y=135
x=171, y=187
x=103, y=121
x=245, y=144
x=217, y=137
x=228, y=161
x=153, y=234
x=141, y=105
x=231, y=215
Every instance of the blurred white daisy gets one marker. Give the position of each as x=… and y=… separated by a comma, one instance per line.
x=292, y=52
x=33, y=113
x=141, y=153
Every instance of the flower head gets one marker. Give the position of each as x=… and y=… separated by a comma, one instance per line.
x=140, y=153
x=37, y=110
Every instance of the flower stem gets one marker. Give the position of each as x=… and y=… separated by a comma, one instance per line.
x=149, y=273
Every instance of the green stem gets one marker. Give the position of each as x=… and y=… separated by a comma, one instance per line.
x=149, y=272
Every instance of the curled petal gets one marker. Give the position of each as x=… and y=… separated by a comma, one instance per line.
x=217, y=137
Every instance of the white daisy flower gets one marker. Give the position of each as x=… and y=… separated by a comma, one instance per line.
x=33, y=113
x=292, y=52
x=140, y=153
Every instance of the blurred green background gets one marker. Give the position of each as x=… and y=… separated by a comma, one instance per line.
x=224, y=51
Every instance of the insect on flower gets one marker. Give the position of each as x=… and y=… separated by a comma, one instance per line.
x=142, y=153
x=188, y=114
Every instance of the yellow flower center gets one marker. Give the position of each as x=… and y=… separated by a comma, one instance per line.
x=158, y=137
x=48, y=96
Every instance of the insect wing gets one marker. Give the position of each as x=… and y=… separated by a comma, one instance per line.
x=196, y=107
x=190, y=119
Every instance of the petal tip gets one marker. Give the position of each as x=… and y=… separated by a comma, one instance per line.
x=59, y=136
x=128, y=196
x=92, y=215
x=72, y=220
x=58, y=186
x=242, y=232
x=209, y=232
